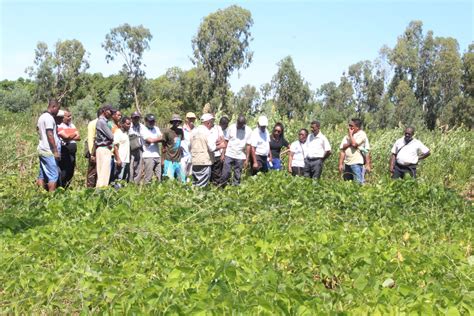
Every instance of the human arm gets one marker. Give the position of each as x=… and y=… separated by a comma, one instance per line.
x=290, y=161
x=368, y=162
x=52, y=143
x=254, y=157
x=118, y=162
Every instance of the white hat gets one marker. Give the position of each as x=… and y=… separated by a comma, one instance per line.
x=60, y=113
x=206, y=117
x=262, y=121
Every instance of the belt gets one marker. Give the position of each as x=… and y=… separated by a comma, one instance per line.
x=313, y=159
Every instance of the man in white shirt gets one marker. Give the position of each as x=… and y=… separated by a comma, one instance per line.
x=260, y=146
x=298, y=152
x=151, y=155
x=122, y=151
x=318, y=150
x=237, y=151
x=353, y=152
x=48, y=147
x=406, y=152
x=188, y=127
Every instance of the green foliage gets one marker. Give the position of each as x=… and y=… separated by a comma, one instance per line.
x=18, y=99
x=58, y=73
x=276, y=244
x=129, y=42
x=85, y=109
x=221, y=46
x=292, y=92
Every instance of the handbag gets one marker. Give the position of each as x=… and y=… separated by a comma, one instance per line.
x=135, y=142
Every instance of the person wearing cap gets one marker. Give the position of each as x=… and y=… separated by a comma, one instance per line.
x=151, y=154
x=69, y=135
x=103, y=142
x=203, y=145
x=236, y=152
x=48, y=150
x=260, y=146
x=218, y=132
x=188, y=127
x=91, y=176
x=318, y=149
x=172, y=151
x=136, y=148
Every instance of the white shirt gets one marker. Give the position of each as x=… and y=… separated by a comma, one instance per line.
x=46, y=122
x=299, y=151
x=123, y=141
x=408, y=154
x=237, y=142
x=317, y=145
x=261, y=141
x=186, y=142
x=68, y=128
x=216, y=132
x=150, y=150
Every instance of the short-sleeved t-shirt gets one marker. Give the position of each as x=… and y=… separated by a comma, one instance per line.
x=123, y=141
x=151, y=150
x=46, y=122
x=317, y=145
x=261, y=141
x=172, y=144
x=353, y=155
x=299, y=151
x=276, y=145
x=237, y=141
x=407, y=154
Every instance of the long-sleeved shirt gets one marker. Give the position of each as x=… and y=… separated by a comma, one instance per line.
x=104, y=136
x=91, y=134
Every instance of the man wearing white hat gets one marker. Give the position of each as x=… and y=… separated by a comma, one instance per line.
x=203, y=145
x=260, y=146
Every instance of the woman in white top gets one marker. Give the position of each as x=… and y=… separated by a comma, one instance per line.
x=298, y=152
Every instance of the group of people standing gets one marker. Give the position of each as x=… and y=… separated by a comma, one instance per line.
x=120, y=148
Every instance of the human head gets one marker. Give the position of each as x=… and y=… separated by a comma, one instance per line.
x=135, y=118
x=207, y=120
x=150, y=120
x=59, y=117
x=355, y=124
x=241, y=121
x=107, y=111
x=224, y=122
x=190, y=118
x=67, y=117
x=262, y=122
x=53, y=106
x=302, y=135
x=99, y=111
x=116, y=117
x=125, y=123
x=278, y=130
x=315, y=126
x=175, y=120
x=409, y=132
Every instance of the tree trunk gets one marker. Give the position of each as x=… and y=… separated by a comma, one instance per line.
x=137, y=105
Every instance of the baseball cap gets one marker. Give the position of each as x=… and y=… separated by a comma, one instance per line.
x=150, y=118
x=263, y=121
x=60, y=113
x=206, y=117
x=135, y=114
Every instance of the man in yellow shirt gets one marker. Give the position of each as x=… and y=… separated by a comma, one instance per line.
x=91, y=178
x=354, y=152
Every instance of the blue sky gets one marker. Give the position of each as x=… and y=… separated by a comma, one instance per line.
x=323, y=37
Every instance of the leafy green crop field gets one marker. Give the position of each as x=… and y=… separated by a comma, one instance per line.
x=275, y=245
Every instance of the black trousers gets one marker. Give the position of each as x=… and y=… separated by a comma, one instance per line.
x=229, y=164
x=313, y=168
x=262, y=165
x=216, y=171
x=399, y=171
x=67, y=164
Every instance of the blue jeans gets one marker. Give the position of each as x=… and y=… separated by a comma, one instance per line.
x=354, y=172
x=276, y=164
